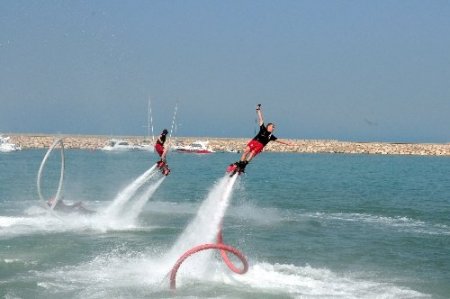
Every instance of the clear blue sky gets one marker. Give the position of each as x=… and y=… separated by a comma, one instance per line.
x=348, y=70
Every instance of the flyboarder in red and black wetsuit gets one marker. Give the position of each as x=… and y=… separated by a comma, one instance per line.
x=257, y=144
x=162, y=152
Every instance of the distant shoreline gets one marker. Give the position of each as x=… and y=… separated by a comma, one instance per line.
x=94, y=142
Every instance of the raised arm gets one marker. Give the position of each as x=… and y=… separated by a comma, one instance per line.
x=259, y=113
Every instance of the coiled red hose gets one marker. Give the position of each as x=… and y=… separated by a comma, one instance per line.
x=223, y=252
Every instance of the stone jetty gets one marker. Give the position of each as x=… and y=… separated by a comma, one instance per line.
x=93, y=142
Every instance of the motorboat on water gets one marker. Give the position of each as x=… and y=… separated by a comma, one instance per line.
x=145, y=147
x=117, y=145
x=232, y=150
x=196, y=147
x=6, y=146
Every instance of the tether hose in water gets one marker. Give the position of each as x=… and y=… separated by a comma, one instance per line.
x=61, y=177
x=223, y=252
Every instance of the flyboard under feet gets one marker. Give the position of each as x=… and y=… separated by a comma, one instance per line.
x=163, y=167
x=237, y=168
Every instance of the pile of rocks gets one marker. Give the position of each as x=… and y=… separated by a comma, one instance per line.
x=92, y=142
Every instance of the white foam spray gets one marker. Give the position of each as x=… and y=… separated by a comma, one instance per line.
x=121, y=274
x=121, y=214
x=138, y=205
x=126, y=194
x=205, y=226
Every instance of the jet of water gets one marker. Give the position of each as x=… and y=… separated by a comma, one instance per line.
x=138, y=205
x=206, y=224
x=126, y=194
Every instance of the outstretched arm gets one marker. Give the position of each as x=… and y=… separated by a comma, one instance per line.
x=260, y=117
x=285, y=142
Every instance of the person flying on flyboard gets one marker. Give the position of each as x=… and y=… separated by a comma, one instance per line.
x=256, y=145
x=162, y=152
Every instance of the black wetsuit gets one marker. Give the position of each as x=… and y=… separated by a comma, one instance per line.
x=162, y=137
x=264, y=136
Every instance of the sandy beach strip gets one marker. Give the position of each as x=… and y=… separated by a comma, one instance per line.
x=95, y=142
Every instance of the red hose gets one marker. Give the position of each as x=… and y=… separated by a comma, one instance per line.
x=223, y=252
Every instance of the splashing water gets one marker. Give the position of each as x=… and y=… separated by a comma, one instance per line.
x=206, y=224
x=132, y=213
x=124, y=196
x=121, y=213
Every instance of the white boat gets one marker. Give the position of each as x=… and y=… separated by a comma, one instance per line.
x=196, y=147
x=117, y=145
x=6, y=146
x=145, y=147
x=232, y=150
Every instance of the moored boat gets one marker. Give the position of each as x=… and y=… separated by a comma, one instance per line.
x=6, y=146
x=196, y=147
x=117, y=145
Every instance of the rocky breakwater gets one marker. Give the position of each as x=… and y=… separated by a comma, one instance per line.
x=70, y=141
x=328, y=146
x=92, y=142
x=376, y=148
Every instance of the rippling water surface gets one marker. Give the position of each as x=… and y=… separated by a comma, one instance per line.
x=311, y=226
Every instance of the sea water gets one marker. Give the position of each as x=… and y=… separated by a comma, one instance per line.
x=311, y=226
